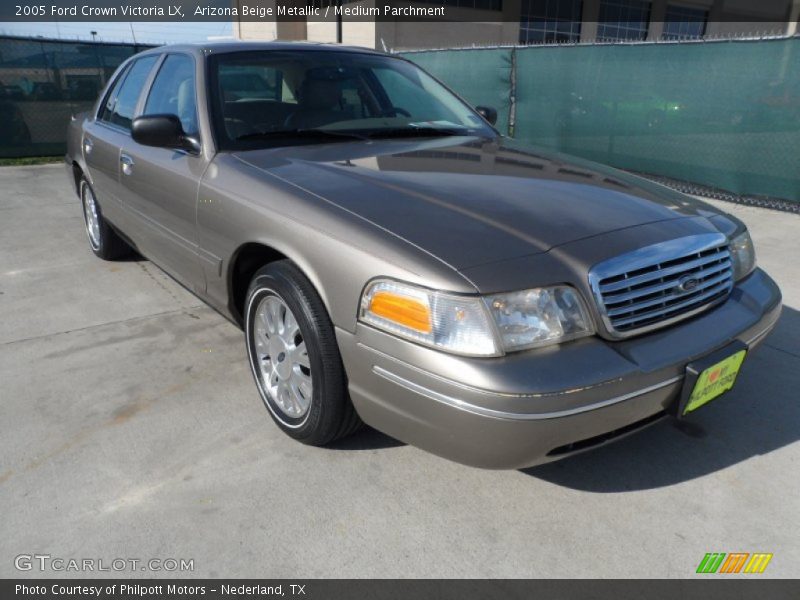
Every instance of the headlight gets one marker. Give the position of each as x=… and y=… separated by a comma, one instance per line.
x=472, y=325
x=743, y=255
x=539, y=317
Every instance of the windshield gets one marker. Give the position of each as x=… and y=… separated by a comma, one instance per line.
x=277, y=98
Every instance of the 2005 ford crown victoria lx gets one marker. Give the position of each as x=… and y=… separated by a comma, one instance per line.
x=394, y=260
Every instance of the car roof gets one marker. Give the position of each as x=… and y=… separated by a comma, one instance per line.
x=228, y=46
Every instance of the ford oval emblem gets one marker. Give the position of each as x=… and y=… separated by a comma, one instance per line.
x=687, y=284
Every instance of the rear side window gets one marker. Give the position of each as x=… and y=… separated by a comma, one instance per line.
x=121, y=104
x=173, y=92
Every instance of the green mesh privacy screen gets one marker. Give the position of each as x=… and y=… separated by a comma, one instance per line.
x=720, y=114
x=44, y=82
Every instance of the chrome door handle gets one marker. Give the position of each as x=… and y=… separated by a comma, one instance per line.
x=88, y=145
x=127, y=164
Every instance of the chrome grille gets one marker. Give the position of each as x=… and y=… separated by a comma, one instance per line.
x=660, y=284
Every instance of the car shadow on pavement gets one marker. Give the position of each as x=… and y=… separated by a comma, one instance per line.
x=132, y=256
x=366, y=438
x=760, y=415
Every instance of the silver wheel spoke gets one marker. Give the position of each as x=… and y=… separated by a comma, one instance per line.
x=300, y=355
x=261, y=337
x=302, y=386
x=275, y=316
x=290, y=327
x=268, y=318
x=265, y=328
x=284, y=395
x=291, y=399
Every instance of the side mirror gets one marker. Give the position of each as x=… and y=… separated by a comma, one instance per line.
x=163, y=131
x=488, y=113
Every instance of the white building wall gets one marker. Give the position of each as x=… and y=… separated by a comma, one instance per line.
x=321, y=31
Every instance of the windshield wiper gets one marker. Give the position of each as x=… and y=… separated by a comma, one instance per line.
x=301, y=133
x=419, y=132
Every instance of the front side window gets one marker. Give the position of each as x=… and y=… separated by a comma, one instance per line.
x=261, y=98
x=123, y=103
x=174, y=92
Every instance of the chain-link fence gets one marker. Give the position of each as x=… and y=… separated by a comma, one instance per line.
x=44, y=82
x=722, y=114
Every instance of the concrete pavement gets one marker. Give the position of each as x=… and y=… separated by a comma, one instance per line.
x=131, y=428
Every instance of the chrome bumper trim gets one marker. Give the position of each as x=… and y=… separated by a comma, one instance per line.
x=499, y=414
x=763, y=333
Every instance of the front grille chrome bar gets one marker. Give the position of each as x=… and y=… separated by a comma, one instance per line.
x=661, y=284
x=647, y=277
x=627, y=297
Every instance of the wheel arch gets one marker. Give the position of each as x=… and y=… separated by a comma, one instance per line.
x=77, y=174
x=80, y=169
x=248, y=258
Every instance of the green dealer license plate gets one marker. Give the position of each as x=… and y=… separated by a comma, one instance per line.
x=713, y=380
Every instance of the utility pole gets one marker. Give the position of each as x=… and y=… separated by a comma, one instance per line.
x=339, y=21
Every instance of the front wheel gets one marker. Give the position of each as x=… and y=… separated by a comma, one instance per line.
x=294, y=357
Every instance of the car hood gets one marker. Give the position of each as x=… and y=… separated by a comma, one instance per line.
x=471, y=201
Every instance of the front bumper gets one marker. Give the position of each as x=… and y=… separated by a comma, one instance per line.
x=535, y=406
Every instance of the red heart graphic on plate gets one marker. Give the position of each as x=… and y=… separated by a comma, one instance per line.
x=714, y=375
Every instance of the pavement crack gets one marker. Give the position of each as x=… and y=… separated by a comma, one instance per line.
x=789, y=352
x=95, y=326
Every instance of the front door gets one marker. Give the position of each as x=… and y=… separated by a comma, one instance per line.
x=160, y=184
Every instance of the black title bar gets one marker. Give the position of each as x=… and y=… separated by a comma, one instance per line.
x=775, y=12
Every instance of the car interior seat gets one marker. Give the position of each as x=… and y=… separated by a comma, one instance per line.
x=319, y=103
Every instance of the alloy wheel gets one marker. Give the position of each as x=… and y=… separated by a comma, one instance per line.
x=282, y=357
x=91, y=216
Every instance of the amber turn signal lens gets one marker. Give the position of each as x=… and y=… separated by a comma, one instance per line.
x=402, y=310
x=457, y=323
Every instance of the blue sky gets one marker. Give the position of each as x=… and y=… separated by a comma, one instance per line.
x=145, y=32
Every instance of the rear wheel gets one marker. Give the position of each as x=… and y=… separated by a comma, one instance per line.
x=103, y=240
x=294, y=357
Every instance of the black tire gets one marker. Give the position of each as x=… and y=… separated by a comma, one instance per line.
x=330, y=414
x=108, y=245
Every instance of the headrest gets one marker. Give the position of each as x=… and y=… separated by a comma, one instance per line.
x=320, y=93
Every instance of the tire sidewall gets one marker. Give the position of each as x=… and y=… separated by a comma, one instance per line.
x=265, y=285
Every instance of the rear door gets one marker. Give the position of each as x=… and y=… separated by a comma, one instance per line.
x=160, y=184
x=105, y=135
